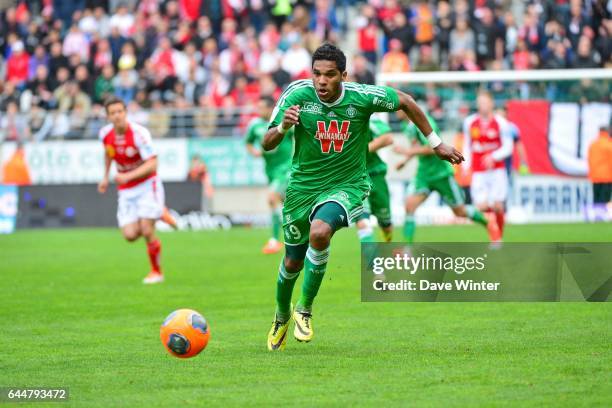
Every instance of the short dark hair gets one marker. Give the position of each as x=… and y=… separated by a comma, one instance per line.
x=329, y=52
x=111, y=100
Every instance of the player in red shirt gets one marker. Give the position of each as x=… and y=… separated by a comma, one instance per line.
x=140, y=191
x=487, y=143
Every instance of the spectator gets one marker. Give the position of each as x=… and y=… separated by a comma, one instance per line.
x=103, y=87
x=532, y=32
x=444, y=26
x=461, y=38
x=77, y=43
x=17, y=65
x=423, y=20
x=361, y=71
x=323, y=22
x=103, y=55
x=585, y=56
x=124, y=84
x=63, y=75
x=270, y=59
x=116, y=41
x=296, y=60
x=81, y=76
x=400, y=30
x=395, y=60
x=39, y=90
x=556, y=56
x=600, y=167
x=512, y=33
x=577, y=22
x=57, y=59
x=9, y=94
x=426, y=61
x=122, y=20
x=367, y=32
x=521, y=57
x=489, y=40
x=40, y=58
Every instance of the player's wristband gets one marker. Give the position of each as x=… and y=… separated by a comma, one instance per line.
x=434, y=140
x=281, y=129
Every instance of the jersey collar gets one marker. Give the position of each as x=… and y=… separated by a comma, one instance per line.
x=334, y=103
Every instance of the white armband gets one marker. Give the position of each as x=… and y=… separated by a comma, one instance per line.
x=434, y=140
x=281, y=129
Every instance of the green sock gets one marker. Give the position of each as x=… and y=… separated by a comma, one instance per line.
x=314, y=266
x=409, y=228
x=475, y=215
x=276, y=222
x=284, y=289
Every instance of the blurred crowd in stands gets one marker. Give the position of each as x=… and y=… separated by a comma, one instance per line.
x=201, y=62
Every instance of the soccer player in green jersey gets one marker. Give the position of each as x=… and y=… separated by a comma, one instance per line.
x=433, y=174
x=278, y=167
x=329, y=178
x=378, y=202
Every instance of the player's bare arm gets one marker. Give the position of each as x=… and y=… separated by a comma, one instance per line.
x=275, y=135
x=103, y=184
x=416, y=115
x=145, y=169
x=380, y=142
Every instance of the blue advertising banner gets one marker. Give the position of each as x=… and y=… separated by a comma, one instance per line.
x=8, y=208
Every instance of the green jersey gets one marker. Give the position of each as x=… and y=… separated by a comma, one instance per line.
x=430, y=166
x=331, y=139
x=276, y=160
x=374, y=163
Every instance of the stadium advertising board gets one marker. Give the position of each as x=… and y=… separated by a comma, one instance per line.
x=8, y=208
x=68, y=162
x=549, y=199
x=228, y=162
x=557, y=136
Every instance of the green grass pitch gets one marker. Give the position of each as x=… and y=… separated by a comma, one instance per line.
x=74, y=314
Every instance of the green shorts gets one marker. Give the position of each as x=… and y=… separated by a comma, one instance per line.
x=278, y=181
x=447, y=187
x=379, y=202
x=300, y=206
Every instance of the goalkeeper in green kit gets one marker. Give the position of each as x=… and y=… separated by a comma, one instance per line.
x=329, y=179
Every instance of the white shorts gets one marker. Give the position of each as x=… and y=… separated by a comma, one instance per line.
x=146, y=200
x=489, y=187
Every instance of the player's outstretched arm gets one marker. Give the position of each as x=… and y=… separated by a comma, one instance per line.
x=275, y=135
x=103, y=184
x=416, y=115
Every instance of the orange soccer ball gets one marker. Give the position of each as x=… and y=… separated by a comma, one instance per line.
x=184, y=333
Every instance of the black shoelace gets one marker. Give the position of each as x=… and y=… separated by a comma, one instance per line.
x=306, y=316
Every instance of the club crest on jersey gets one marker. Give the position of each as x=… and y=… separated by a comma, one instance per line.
x=332, y=134
x=351, y=111
x=110, y=151
x=130, y=151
